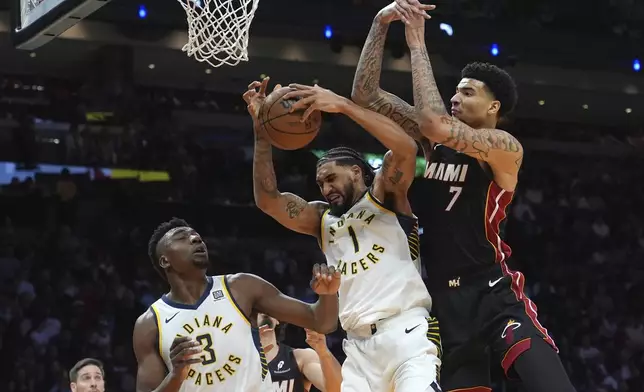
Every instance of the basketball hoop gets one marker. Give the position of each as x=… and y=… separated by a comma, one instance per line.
x=218, y=30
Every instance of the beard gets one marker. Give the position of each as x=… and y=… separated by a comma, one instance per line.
x=348, y=194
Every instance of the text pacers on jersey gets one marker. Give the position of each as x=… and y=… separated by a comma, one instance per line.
x=352, y=267
x=201, y=329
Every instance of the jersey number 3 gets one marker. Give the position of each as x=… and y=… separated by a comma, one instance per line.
x=456, y=190
x=209, y=353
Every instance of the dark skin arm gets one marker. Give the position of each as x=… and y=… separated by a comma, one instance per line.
x=255, y=295
x=152, y=374
x=290, y=210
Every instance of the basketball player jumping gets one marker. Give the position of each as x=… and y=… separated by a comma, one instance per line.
x=367, y=231
x=472, y=172
x=295, y=370
x=203, y=334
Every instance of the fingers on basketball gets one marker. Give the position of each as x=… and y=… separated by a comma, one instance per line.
x=285, y=129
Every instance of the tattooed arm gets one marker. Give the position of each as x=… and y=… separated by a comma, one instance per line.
x=426, y=94
x=497, y=148
x=288, y=209
x=366, y=90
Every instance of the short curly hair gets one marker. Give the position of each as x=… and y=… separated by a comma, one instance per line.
x=156, y=237
x=497, y=80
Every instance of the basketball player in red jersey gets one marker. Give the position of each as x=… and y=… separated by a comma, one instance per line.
x=471, y=175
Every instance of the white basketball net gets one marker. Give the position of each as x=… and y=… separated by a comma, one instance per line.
x=218, y=30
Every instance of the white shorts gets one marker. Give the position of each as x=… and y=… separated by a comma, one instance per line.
x=398, y=357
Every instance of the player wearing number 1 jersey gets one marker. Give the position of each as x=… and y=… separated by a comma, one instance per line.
x=202, y=335
x=471, y=175
x=368, y=232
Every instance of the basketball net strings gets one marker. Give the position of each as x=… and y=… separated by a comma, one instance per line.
x=218, y=30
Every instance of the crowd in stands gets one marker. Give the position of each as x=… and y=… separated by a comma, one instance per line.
x=74, y=273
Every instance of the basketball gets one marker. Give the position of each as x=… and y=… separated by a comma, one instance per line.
x=285, y=130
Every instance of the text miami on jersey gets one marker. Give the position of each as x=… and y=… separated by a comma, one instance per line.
x=232, y=357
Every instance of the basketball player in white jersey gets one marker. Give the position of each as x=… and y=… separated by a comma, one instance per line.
x=297, y=369
x=202, y=335
x=368, y=232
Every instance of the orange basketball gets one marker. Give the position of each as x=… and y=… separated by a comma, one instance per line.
x=285, y=130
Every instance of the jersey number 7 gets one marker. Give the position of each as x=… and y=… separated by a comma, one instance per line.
x=456, y=190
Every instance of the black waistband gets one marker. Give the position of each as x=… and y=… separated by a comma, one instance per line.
x=471, y=276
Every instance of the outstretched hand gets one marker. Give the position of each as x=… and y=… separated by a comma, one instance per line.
x=255, y=96
x=314, y=98
x=326, y=279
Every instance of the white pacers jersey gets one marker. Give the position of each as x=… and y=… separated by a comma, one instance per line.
x=232, y=357
x=376, y=252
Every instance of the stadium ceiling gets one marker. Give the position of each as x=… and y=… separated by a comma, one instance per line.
x=560, y=93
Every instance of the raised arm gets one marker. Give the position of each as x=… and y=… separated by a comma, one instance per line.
x=321, y=316
x=498, y=148
x=366, y=90
x=426, y=94
x=399, y=165
x=318, y=365
x=152, y=374
x=288, y=209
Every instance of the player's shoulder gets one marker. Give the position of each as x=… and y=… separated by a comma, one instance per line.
x=146, y=318
x=146, y=326
x=244, y=281
x=320, y=206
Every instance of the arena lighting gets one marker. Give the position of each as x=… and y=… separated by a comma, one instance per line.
x=375, y=160
x=328, y=32
x=636, y=65
x=494, y=50
x=143, y=12
x=447, y=28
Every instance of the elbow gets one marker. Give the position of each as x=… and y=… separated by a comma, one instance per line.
x=429, y=124
x=264, y=204
x=409, y=148
x=328, y=327
x=360, y=97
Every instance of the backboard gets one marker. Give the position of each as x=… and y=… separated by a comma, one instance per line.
x=36, y=22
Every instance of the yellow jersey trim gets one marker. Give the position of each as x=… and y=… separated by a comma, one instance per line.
x=378, y=204
x=224, y=285
x=155, y=311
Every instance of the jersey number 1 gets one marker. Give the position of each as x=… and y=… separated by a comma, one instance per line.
x=456, y=190
x=352, y=233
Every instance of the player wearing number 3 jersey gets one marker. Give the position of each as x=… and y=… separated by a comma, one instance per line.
x=367, y=232
x=202, y=335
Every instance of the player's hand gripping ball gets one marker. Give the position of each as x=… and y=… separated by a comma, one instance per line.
x=326, y=280
x=275, y=119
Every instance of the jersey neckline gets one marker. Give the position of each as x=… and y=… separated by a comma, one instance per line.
x=203, y=297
